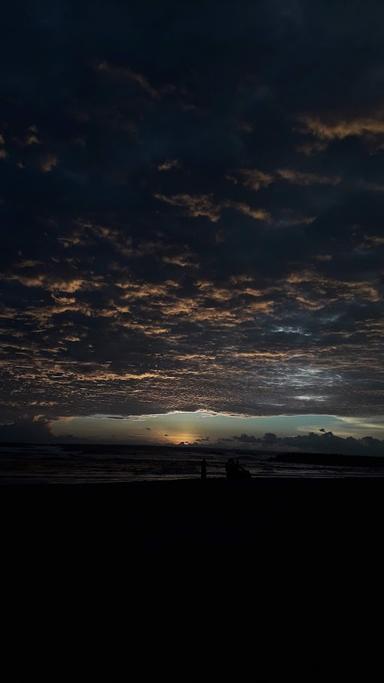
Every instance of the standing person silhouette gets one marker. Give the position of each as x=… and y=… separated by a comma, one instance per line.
x=229, y=468
x=203, y=470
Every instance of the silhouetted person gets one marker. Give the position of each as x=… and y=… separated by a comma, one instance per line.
x=203, y=470
x=230, y=468
x=242, y=472
x=236, y=471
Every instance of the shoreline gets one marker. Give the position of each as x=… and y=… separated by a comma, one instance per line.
x=31, y=482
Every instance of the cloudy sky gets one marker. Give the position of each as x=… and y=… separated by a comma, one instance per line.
x=191, y=205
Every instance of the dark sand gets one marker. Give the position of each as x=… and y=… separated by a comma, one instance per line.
x=258, y=567
x=211, y=514
x=276, y=524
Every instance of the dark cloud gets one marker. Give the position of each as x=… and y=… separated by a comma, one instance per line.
x=26, y=431
x=327, y=442
x=191, y=200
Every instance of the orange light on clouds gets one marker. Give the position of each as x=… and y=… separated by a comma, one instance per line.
x=181, y=437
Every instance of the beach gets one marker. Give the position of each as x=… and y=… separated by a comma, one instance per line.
x=255, y=567
x=190, y=515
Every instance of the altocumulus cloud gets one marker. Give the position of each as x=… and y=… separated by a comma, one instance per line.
x=191, y=212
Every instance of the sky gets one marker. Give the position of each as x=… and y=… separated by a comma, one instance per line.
x=191, y=203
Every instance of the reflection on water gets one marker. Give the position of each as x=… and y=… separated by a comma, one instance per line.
x=97, y=464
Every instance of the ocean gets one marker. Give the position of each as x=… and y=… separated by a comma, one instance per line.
x=36, y=463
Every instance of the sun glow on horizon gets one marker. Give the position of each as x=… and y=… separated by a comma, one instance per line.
x=204, y=428
x=181, y=437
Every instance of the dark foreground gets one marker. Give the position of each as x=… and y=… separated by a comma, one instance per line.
x=280, y=571
x=195, y=519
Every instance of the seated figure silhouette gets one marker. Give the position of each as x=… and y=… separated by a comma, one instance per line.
x=203, y=470
x=236, y=471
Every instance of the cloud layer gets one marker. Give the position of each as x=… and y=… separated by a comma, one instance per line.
x=191, y=204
